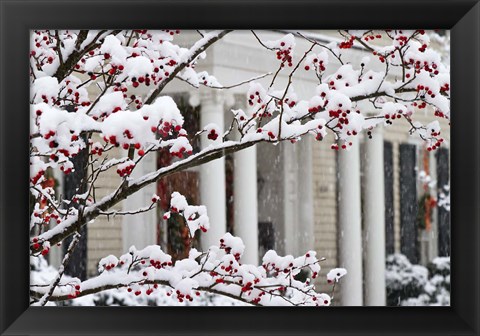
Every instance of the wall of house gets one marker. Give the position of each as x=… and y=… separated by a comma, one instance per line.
x=325, y=207
x=105, y=233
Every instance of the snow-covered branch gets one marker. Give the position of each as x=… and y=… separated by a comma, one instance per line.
x=98, y=94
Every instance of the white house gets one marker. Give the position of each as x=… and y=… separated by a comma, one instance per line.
x=352, y=207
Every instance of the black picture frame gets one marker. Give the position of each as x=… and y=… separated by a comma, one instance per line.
x=17, y=17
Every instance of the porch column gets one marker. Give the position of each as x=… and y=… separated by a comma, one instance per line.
x=374, y=220
x=212, y=174
x=305, y=222
x=246, y=203
x=350, y=225
x=140, y=230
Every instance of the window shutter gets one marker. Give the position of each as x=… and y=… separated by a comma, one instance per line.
x=443, y=215
x=266, y=237
x=389, y=209
x=408, y=203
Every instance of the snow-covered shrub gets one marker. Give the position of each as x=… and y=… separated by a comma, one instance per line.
x=416, y=285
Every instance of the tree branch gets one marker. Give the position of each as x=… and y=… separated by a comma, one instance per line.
x=194, y=52
x=69, y=64
x=46, y=297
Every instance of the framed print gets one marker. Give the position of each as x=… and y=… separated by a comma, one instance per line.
x=272, y=156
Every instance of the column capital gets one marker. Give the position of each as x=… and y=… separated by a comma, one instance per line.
x=212, y=96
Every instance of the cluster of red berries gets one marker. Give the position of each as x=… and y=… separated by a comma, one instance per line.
x=181, y=152
x=129, y=136
x=141, y=80
x=342, y=116
x=171, y=31
x=284, y=54
x=393, y=116
x=36, y=246
x=108, y=267
x=77, y=292
x=76, y=96
x=119, y=87
x=402, y=39
x=264, y=114
x=418, y=65
x=111, y=139
x=247, y=287
x=229, y=268
x=431, y=68
x=165, y=129
x=212, y=135
x=344, y=146
x=96, y=150
x=65, y=170
x=273, y=268
x=228, y=249
x=126, y=171
x=319, y=66
x=436, y=145
x=315, y=109
x=49, y=135
x=445, y=87
x=137, y=292
x=347, y=44
x=371, y=37
x=290, y=103
x=158, y=264
x=51, y=216
x=381, y=57
x=37, y=177
x=422, y=105
x=257, y=299
x=438, y=141
x=422, y=48
x=64, y=152
x=181, y=297
x=114, y=68
x=41, y=39
x=425, y=90
x=252, y=99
